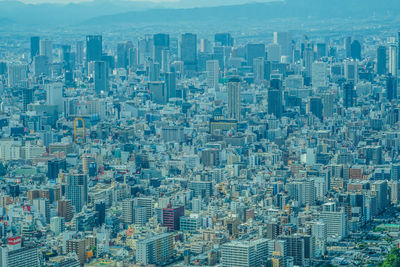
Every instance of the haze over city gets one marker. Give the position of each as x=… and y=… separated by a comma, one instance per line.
x=226, y=133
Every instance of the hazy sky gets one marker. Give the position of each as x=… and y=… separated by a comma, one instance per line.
x=196, y=2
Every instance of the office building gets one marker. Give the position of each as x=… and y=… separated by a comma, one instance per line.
x=171, y=217
x=381, y=60
x=244, y=253
x=155, y=250
x=254, y=51
x=46, y=49
x=212, y=69
x=76, y=190
x=94, y=48
x=234, y=100
x=100, y=77
x=57, y=225
x=35, y=46
x=188, y=51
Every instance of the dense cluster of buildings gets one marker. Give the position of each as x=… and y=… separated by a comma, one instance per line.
x=181, y=150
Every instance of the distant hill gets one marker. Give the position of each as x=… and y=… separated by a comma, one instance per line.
x=259, y=11
x=108, y=12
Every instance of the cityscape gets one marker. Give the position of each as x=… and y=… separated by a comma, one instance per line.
x=199, y=133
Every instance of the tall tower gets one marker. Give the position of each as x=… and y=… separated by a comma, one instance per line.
x=46, y=49
x=212, y=69
x=77, y=190
x=161, y=42
x=189, y=51
x=100, y=77
x=35, y=46
x=94, y=47
x=234, y=98
x=381, y=60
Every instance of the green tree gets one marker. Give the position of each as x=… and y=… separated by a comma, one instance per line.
x=3, y=169
x=392, y=259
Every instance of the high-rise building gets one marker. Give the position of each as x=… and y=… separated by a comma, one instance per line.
x=244, y=253
x=170, y=83
x=94, y=48
x=336, y=224
x=320, y=234
x=17, y=74
x=158, y=92
x=274, y=52
x=79, y=52
x=356, y=50
x=275, y=104
x=65, y=209
x=161, y=42
x=22, y=257
x=54, y=166
x=391, y=87
x=223, y=39
x=41, y=66
x=348, y=95
x=27, y=97
x=328, y=104
x=54, y=95
x=351, y=71
x=155, y=250
x=122, y=54
x=100, y=77
x=284, y=40
x=212, y=69
x=319, y=74
x=77, y=190
x=381, y=60
x=42, y=205
x=188, y=51
x=234, y=101
x=57, y=225
x=347, y=46
x=171, y=217
x=381, y=191
x=35, y=46
x=46, y=49
x=77, y=246
x=254, y=51
x=315, y=106
x=258, y=70
x=393, y=60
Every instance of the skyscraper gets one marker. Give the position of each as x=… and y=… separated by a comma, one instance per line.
x=356, y=50
x=254, y=51
x=347, y=46
x=171, y=216
x=391, y=87
x=161, y=42
x=284, y=39
x=100, y=77
x=94, y=48
x=27, y=97
x=275, y=105
x=258, y=69
x=77, y=190
x=79, y=52
x=188, y=51
x=348, y=95
x=393, y=59
x=234, y=88
x=46, y=49
x=381, y=60
x=212, y=69
x=223, y=39
x=35, y=46
x=244, y=253
x=155, y=250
